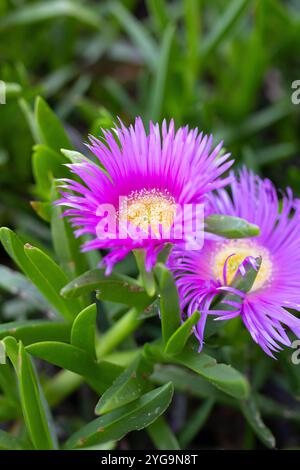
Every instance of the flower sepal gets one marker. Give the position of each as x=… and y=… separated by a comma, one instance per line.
x=228, y=226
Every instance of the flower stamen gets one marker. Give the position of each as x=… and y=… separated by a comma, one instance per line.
x=229, y=255
x=152, y=208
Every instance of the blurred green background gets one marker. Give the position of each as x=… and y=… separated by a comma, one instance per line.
x=226, y=67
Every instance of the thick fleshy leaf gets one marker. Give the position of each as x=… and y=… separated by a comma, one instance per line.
x=56, y=277
x=252, y=414
x=38, y=273
x=34, y=406
x=73, y=156
x=99, y=375
x=179, y=338
x=151, y=311
x=128, y=386
x=32, y=331
x=223, y=376
x=84, y=330
x=230, y=227
x=8, y=409
x=8, y=384
x=186, y=381
x=116, y=424
x=66, y=246
x=115, y=288
x=43, y=209
x=47, y=164
x=50, y=129
x=169, y=302
x=162, y=435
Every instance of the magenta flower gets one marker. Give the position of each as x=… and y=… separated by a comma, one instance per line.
x=200, y=275
x=154, y=171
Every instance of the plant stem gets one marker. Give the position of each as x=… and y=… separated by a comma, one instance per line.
x=117, y=333
x=147, y=277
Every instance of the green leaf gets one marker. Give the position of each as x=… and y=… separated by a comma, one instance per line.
x=195, y=422
x=169, y=302
x=99, y=375
x=43, y=209
x=9, y=442
x=46, y=164
x=160, y=76
x=34, y=407
x=252, y=415
x=120, y=94
x=269, y=407
x=11, y=350
x=32, y=331
x=66, y=246
x=29, y=117
x=18, y=285
x=230, y=227
x=42, y=11
x=258, y=121
x=178, y=339
x=73, y=156
x=12, y=89
x=127, y=387
x=37, y=273
x=55, y=276
x=159, y=13
x=151, y=311
x=223, y=376
x=137, y=32
x=223, y=26
x=192, y=17
x=8, y=409
x=50, y=129
x=162, y=436
x=115, y=288
x=8, y=382
x=84, y=330
x=134, y=416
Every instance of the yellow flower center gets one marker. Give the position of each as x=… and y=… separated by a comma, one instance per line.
x=151, y=209
x=235, y=251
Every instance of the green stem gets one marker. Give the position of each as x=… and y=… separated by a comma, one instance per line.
x=146, y=276
x=117, y=333
x=62, y=385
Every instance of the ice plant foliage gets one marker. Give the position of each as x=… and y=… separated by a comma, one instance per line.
x=155, y=173
x=201, y=275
